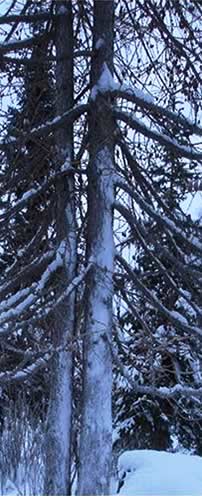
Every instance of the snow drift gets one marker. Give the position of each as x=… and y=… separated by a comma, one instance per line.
x=157, y=473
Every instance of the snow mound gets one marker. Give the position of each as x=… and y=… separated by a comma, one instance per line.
x=157, y=473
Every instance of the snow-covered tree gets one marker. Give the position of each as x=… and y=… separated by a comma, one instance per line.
x=118, y=281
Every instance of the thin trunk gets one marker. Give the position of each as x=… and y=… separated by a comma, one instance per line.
x=57, y=476
x=96, y=439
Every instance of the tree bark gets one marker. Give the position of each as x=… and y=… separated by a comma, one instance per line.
x=58, y=452
x=96, y=428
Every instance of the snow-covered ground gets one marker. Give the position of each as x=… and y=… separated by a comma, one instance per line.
x=148, y=473
x=157, y=473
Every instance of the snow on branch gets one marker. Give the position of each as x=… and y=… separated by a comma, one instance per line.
x=21, y=375
x=39, y=360
x=26, y=251
x=70, y=288
x=30, y=195
x=104, y=84
x=144, y=101
x=162, y=138
x=34, y=291
x=107, y=84
x=162, y=392
x=33, y=267
x=50, y=126
x=49, y=308
x=133, y=225
x=174, y=317
x=14, y=299
x=163, y=221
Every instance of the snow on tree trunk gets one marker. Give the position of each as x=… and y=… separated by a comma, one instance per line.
x=57, y=470
x=96, y=439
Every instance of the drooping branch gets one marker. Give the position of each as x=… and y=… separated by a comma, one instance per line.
x=32, y=269
x=33, y=193
x=133, y=224
x=27, y=251
x=67, y=118
x=162, y=138
x=41, y=314
x=23, y=374
x=31, y=294
x=163, y=392
x=163, y=221
x=144, y=101
x=142, y=181
x=177, y=322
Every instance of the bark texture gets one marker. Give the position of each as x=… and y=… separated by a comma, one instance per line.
x=96, y=442
x=58, y=456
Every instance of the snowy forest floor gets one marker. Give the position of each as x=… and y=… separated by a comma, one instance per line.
x=142, y=473
x=157, y=473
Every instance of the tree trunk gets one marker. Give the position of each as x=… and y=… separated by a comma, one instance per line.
x=96, y=439
x=57, y=470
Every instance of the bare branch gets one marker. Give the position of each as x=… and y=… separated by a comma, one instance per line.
x=28, y=18
x=21, y=44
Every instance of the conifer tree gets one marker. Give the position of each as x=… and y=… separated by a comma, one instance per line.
x=113, y=265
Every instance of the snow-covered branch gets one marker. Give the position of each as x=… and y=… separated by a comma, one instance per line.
x=34, y=192
x=178, y=321
x=32, y=293
x=163, y=392
x=143, y=100
x=74, y=284
x=23, y=374
x=40, y=314
x=31, y=269
x=162, y=138
x=50, y=126
x=107, y=84
x=163, y=221
x=134, y=227
x=27, y=251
